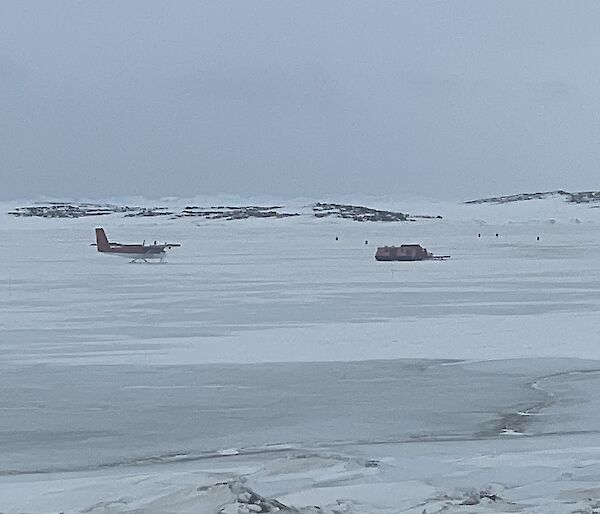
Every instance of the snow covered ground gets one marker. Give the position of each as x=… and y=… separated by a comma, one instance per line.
x=270, y=366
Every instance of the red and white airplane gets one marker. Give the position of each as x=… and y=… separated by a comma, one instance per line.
x=136, y=253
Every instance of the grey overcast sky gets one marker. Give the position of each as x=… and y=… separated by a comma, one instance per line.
x=453, y=99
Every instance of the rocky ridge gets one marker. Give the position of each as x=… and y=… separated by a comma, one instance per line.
x=356, y=212
x=581, y=197
x=72, y=210
x=236, y=213
x=227, y=213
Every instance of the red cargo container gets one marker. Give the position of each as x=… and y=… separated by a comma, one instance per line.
x=402, y=253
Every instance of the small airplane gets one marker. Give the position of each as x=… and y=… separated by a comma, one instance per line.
x=136, y=253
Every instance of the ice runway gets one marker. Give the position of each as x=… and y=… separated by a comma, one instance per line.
x=267, y=358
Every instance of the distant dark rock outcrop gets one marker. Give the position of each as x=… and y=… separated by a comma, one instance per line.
x=577, y=197
x=71, y=210
x=148, y=212
x=356, y=212
x=79, y=210
x=584, y=197
x=227, y=213
x=236, y=213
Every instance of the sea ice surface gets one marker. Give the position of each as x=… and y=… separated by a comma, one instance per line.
x=270, y=366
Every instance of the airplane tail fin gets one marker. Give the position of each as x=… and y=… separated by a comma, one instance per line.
x=101, y=240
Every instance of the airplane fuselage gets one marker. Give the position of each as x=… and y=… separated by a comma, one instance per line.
x=136, y=251
x=133, y=252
